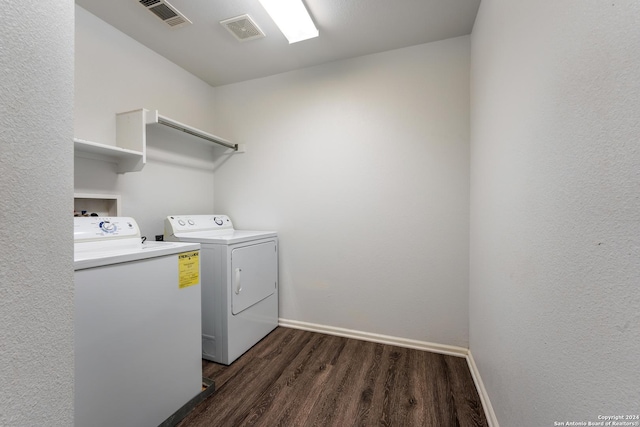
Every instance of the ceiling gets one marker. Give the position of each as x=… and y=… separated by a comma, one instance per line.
x=348, y=28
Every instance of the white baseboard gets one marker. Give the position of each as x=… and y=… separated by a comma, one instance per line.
x=382, y=339
x=484, y=396
x=406, y=343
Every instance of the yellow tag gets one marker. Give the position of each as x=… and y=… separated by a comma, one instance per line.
x=188, y=269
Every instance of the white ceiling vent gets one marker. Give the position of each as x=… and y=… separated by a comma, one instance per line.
x=167, y=13
x=243, y=28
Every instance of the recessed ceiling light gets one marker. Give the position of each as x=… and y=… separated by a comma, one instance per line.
x=292, y=18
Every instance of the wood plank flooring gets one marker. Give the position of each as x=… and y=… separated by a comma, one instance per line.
x=296, y=378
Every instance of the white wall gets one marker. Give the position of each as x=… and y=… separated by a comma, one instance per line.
x=362, y=167
x=115, y=74
x=555, y=208
x=36, y=252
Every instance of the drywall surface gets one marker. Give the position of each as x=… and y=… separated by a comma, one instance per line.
x=36, y=237
x=362, y=166
x=555, y=209
x=114, y=74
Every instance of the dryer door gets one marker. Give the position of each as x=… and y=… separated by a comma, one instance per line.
x=254, y=274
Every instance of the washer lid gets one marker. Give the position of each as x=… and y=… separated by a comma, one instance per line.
x=110, y=256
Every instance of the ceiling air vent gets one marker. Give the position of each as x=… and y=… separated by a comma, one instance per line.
x=167, y=13
x=243, y=28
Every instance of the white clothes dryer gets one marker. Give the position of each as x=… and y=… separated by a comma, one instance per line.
x=137, y=324
x=239, y=282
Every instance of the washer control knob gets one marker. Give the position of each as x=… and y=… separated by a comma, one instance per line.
x=217, y=220
x=107, y=226
x=191, y=222
x=181, y=222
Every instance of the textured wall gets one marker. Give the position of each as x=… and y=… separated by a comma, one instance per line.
x=555, y=208
x=114, y=73
x=36, y=240
x=362, y=167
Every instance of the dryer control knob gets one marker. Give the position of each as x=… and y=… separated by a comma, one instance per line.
x=191, y=222
x=181, y=222
x=218, y=221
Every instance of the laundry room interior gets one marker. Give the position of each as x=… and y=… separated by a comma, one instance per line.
x=477, y=194
x=368, y=197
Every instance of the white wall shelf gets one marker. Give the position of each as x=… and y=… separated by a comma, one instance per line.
x=129, y=129
x=125, y=159
x=130, y=151
x=153, y=117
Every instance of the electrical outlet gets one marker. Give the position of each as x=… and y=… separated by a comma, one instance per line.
x=159, y=237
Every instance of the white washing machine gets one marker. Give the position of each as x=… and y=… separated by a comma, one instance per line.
x=239, y=282
x=137, y=325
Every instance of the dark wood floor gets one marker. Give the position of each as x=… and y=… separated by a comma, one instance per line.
x=298, y=378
